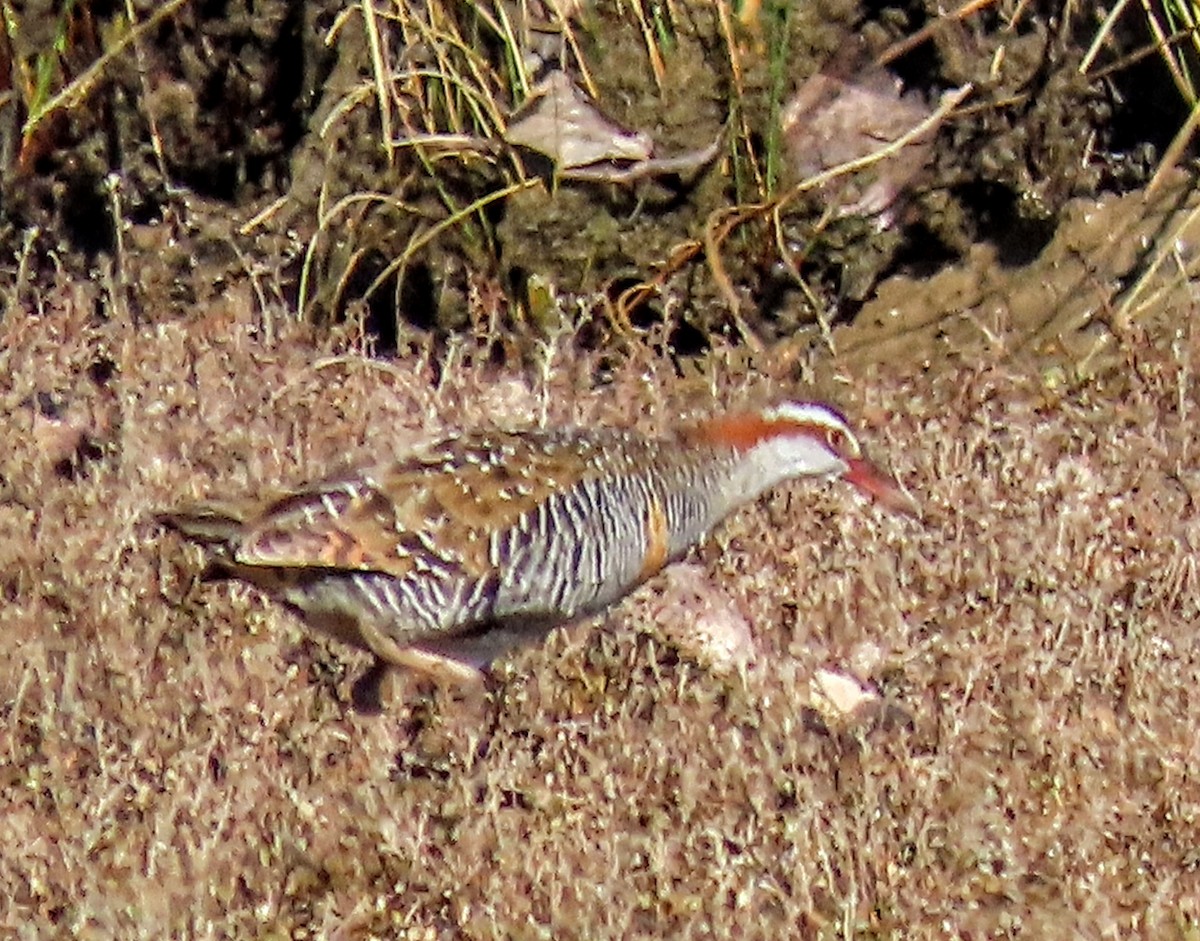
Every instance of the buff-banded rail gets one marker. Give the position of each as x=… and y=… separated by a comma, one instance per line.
x=443, y=560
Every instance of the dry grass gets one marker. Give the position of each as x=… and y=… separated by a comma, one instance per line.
x=178, y=760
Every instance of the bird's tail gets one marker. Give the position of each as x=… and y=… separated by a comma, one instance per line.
x=209, y=524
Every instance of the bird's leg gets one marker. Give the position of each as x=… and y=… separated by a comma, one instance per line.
x=367, y=693
x=440, y=667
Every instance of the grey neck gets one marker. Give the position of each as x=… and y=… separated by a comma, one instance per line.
x=711, y=487
x=752, y=473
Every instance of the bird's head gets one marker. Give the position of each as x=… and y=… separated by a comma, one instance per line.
x=808, y=439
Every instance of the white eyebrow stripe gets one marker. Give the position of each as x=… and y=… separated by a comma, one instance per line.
x=807, y=413
x=816, y=414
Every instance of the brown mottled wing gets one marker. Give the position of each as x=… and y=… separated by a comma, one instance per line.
x=439, y=507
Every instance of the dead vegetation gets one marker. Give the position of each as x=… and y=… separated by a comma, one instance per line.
x=178, y=759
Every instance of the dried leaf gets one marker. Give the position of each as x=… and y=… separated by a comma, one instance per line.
x=567, y=126
x=850, y=109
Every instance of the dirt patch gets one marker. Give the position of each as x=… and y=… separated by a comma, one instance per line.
x=326, y=160
x=1117, y=273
